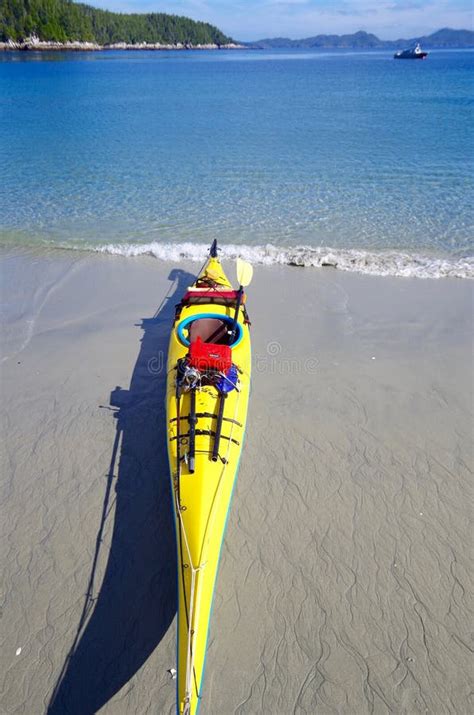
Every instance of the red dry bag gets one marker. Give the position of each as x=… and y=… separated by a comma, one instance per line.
x=209, y=356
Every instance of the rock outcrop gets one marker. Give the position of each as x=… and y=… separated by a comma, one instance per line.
x=35, y=44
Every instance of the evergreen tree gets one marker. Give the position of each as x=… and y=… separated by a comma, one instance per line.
x=63, y=20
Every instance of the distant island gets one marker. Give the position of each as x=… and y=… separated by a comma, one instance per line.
x=445, y=38
x=63, y=24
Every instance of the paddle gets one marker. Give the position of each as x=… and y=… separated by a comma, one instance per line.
x=217, y=435
x=192, y=419
x=244, y=272
x=244, y=276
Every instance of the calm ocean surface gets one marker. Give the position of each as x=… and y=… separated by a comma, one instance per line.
x=286, y=153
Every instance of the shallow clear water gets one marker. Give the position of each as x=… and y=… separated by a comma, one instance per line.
x=348, y=150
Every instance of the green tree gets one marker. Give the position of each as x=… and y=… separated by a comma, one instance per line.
x=62, y=20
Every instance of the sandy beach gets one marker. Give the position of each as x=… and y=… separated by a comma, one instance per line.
x=345, y=582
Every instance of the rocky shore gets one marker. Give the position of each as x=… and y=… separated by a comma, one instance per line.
x=35, y=44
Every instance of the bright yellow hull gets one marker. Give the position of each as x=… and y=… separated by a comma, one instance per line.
x=202, y=498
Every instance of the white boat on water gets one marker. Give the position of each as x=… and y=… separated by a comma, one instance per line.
x=414, y=53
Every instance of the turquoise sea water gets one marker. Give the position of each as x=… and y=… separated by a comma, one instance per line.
x=309, y=156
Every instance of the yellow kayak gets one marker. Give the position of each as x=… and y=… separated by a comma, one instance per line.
x=208, y=384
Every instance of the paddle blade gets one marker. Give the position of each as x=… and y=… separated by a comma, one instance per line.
x=244, y=272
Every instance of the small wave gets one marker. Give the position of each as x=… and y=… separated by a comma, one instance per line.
x=382, y=263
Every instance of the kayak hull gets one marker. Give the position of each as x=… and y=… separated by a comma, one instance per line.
x=202, y=497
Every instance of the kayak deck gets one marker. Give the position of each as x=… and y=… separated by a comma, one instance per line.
x=203, y=476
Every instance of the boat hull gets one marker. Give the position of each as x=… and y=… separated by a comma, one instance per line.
x=202, y=497
x=411, y=56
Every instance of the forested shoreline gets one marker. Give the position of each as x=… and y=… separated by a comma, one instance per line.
x=64, y=21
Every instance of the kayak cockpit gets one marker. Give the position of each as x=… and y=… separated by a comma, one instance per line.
x=212, y=328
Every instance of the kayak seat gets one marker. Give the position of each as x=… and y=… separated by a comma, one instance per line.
x=211, y=328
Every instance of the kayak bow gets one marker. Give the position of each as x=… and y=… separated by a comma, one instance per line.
x=208, y=384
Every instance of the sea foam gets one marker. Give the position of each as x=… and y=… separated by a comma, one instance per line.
x=381, y=263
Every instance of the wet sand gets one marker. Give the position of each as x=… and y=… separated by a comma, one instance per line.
x=345, y=582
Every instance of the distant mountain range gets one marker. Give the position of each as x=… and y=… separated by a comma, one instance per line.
x=445, y=38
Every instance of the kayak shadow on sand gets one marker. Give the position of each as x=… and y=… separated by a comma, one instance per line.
x=123, y=622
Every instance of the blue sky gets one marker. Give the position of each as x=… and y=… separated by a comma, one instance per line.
x=254, y=19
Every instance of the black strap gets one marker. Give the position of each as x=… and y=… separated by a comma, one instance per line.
x=206, y=432
x=207, y=414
